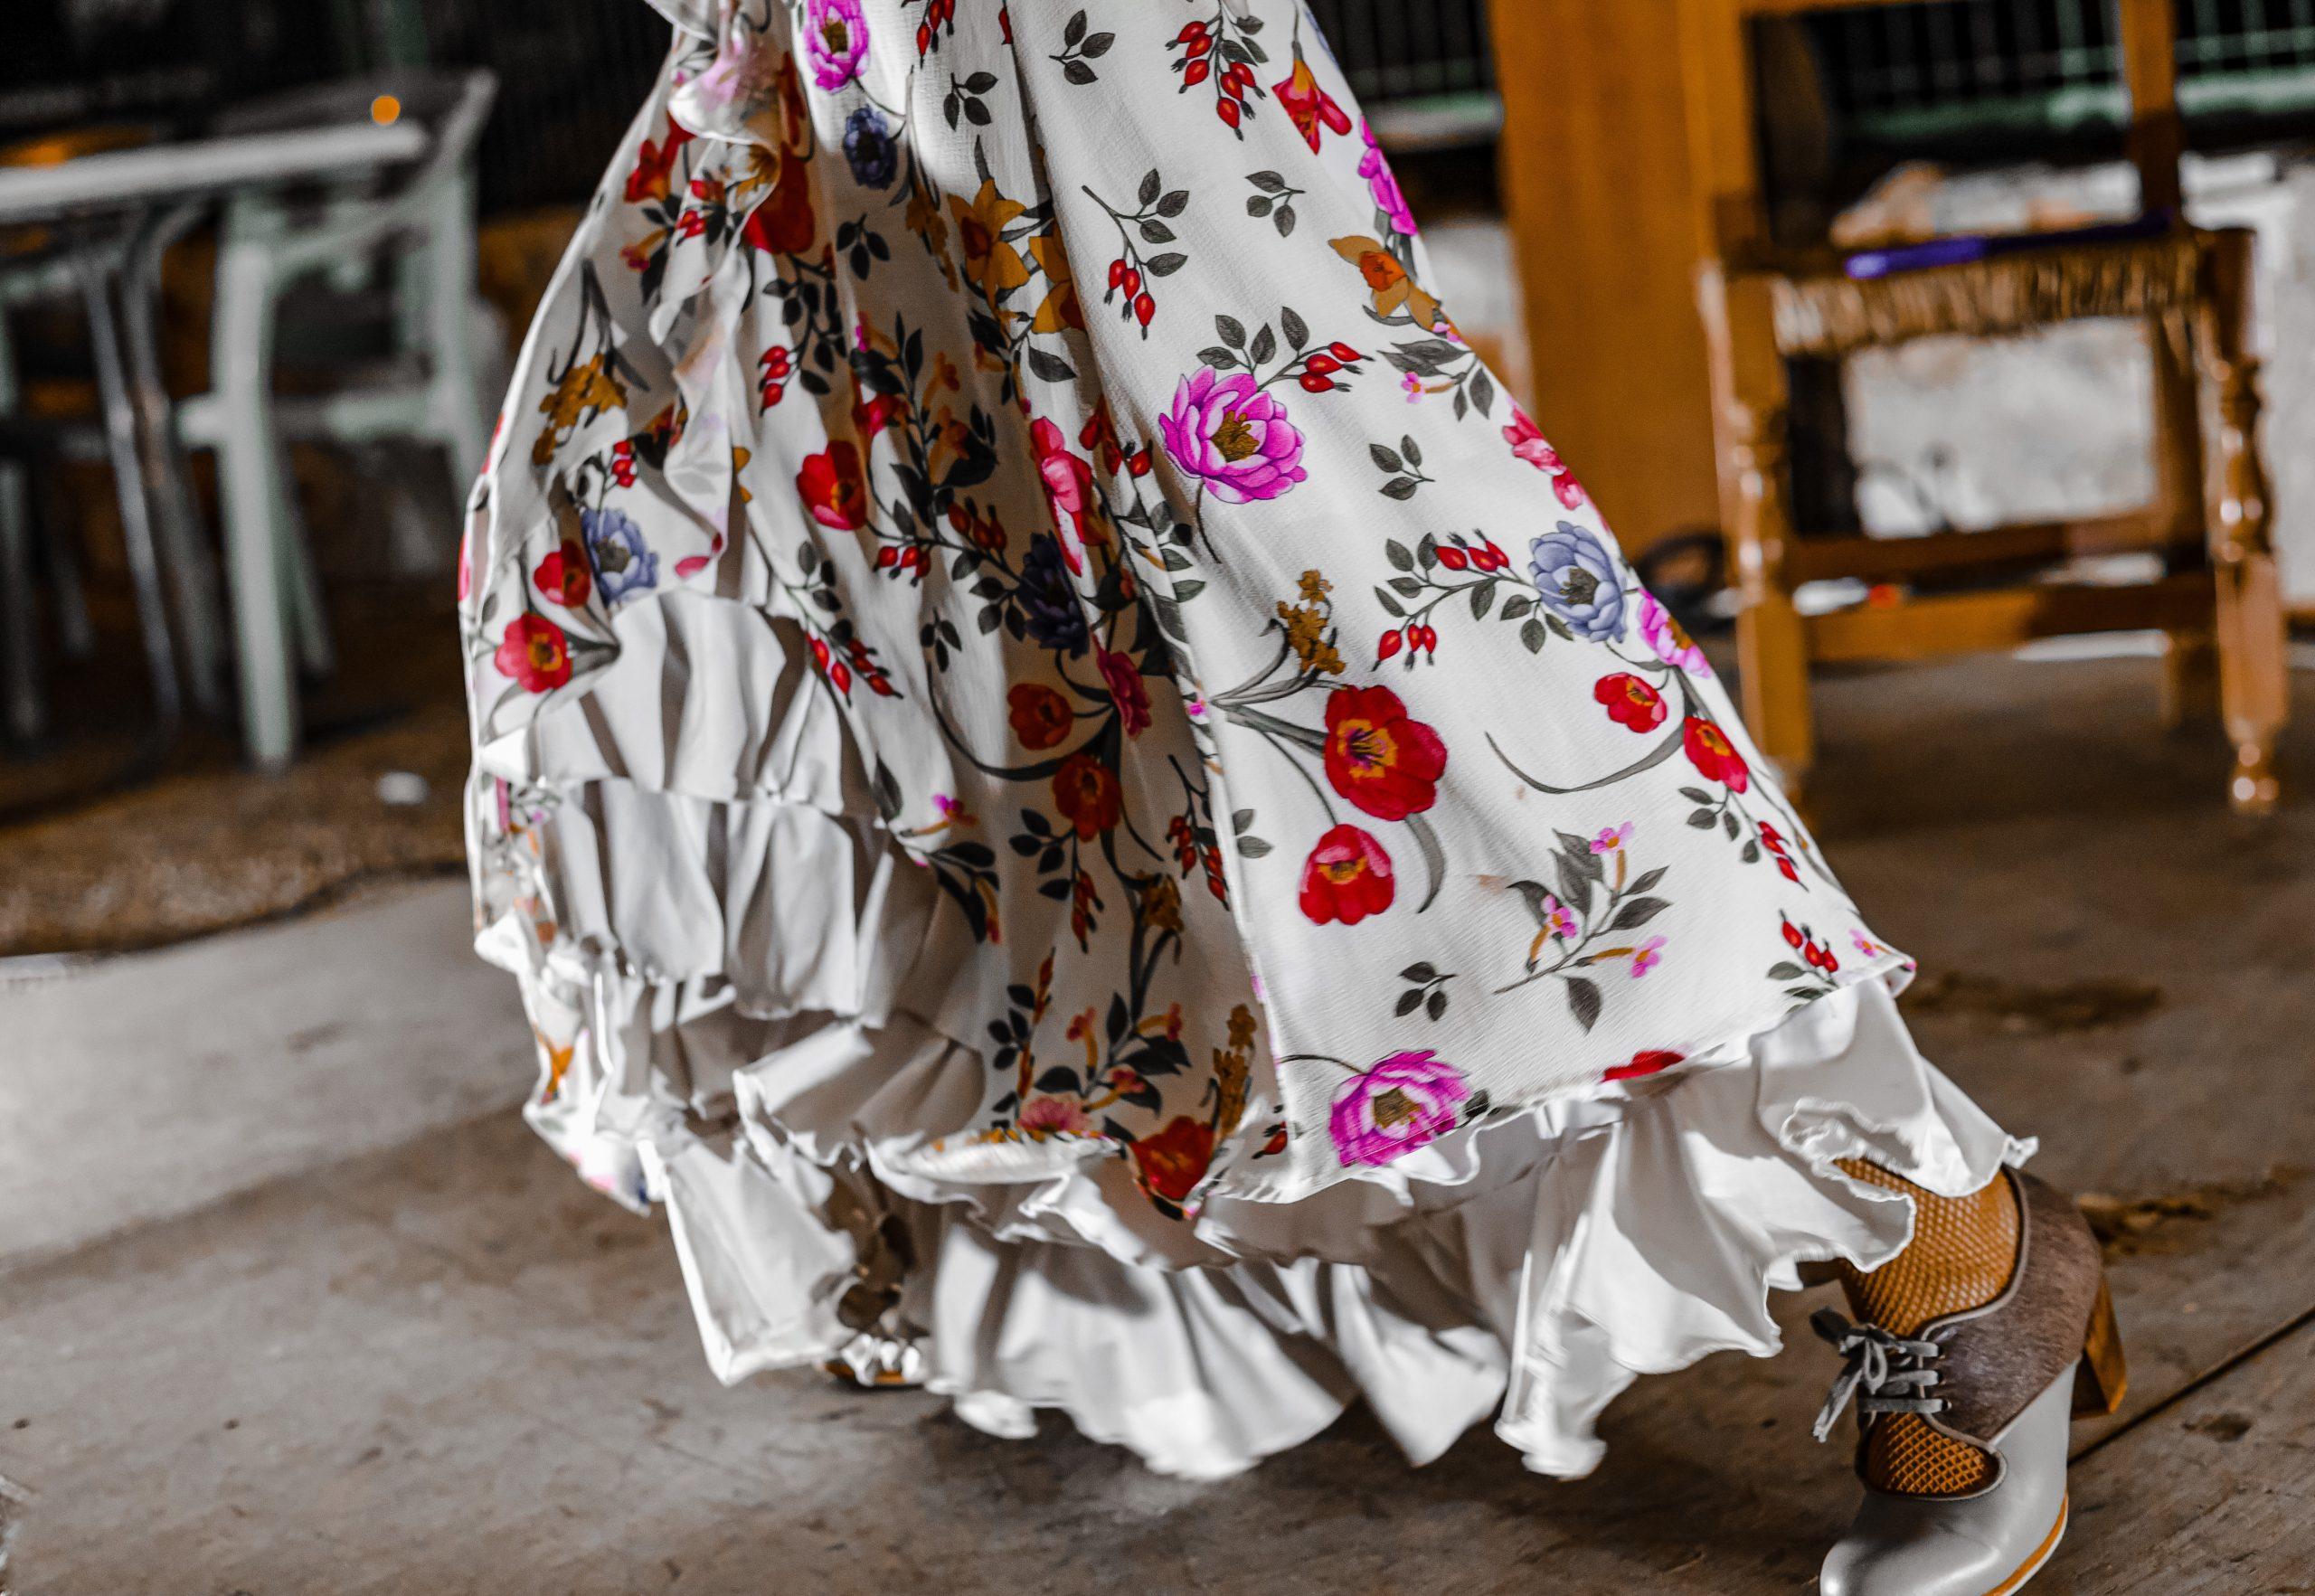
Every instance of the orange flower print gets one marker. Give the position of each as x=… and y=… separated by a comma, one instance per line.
x=1087, y=793
x=1377, y=758
x=1387, y=281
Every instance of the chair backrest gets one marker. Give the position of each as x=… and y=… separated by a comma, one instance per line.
x=1720, y=78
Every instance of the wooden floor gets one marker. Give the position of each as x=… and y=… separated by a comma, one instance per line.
x=444, y=1366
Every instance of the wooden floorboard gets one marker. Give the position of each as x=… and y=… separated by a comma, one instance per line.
x=447, y=1365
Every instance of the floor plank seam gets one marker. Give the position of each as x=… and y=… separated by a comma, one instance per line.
x=2202, y=1382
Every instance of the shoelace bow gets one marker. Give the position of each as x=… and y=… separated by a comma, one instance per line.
x=1892, y=1372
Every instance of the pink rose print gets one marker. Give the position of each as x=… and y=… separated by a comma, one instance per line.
x=1670, y=639
x=1529, y=445
x=836, y=38
x=1408, y=1101
x=1559, y=920
x=1069, y=486
x=1233, y=436
x=1375, y=168
x=1042, y=1116
x=1122, y=676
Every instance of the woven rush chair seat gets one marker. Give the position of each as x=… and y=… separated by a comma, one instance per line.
x=1827, y=316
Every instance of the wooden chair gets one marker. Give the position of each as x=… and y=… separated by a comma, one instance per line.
x=2218, y=601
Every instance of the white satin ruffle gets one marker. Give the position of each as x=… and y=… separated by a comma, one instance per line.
x=1533, y=1268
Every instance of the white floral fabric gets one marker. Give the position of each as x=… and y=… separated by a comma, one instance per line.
x=995, y=547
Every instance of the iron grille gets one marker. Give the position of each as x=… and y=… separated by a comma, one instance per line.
x=1908, y=72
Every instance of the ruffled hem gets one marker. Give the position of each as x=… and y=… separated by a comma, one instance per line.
x=1533, y=1272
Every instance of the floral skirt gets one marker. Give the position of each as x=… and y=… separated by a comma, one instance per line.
x=1060, y=768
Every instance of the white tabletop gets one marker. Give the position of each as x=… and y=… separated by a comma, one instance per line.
x=131, y=179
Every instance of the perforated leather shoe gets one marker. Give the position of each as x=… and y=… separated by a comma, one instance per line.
x=1976, y=1347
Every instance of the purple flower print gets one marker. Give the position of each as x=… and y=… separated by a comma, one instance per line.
x=624, y=563
x=1669, y=639
x=1578, y=583
x=1233, y=436
x=835, y=40
x=1375, y=168
x=1408, y=1101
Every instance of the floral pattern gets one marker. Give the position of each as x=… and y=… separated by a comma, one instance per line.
x=1034, y=371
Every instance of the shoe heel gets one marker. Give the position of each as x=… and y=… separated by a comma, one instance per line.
x=2104, y=1376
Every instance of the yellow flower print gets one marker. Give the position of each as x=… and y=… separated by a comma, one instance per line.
x=585, y=392
x=995, y=265
x=1060, y=307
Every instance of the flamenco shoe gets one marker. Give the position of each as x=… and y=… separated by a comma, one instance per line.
x=1975, y=1348
x=876, y=1362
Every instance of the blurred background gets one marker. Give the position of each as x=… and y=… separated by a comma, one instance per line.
x=1917, y=351
x=335, y=220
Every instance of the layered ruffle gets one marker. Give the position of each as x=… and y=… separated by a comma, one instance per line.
x=1531, y=1269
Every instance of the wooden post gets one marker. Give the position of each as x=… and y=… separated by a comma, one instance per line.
x=1597, y=191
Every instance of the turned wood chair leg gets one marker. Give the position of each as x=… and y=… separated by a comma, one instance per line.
x=2254, y=671
x=1752, y=426
x=2190, y=698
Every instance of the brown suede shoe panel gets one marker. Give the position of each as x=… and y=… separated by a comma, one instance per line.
x=1998, y=1363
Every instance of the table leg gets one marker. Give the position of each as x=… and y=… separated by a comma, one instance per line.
x=120, y=424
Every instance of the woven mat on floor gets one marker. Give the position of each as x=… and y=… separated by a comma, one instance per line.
x=208, y=850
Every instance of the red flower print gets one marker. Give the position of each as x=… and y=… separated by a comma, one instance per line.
x=535, y=653
x=1378, y=758
x=1308, y=106
x=1069, y=486
x=1087, y=793
x=653, y=165
x=1126, y=690
x=1631, y=702
x=1644, y=1064
x=832, y=489
x=783, y=223
x=1041, y=716
x=562, y=577
x=1099, y=437
x=1773, y=841
x=1170, y=1164
x=1348, y=878
x=1713, y=755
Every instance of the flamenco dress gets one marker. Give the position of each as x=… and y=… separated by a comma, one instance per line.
x=1069, y=781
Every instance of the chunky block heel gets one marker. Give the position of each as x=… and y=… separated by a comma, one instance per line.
x=2104, y=1376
